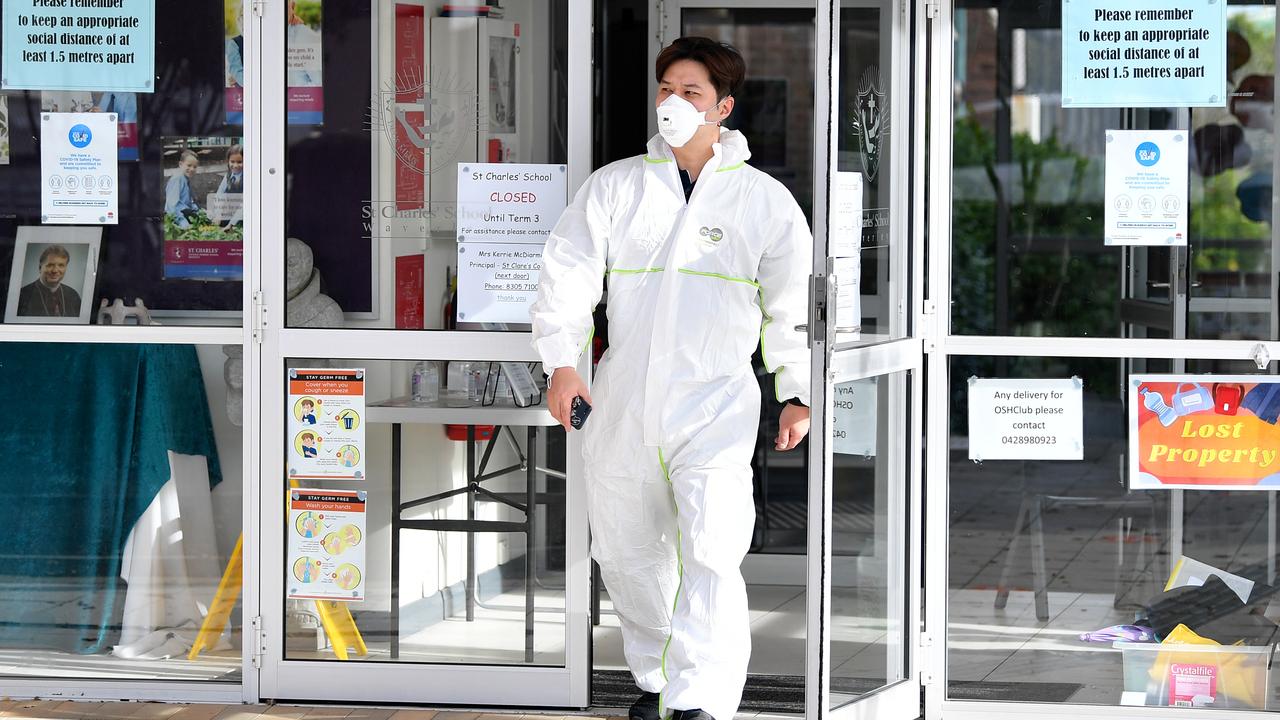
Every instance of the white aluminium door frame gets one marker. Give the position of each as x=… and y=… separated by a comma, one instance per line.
x=898, y=699
x=390, y=682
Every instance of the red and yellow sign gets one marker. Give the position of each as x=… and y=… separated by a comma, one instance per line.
x=1204, y=432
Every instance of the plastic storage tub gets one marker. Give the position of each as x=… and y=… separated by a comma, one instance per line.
x=1217, y=676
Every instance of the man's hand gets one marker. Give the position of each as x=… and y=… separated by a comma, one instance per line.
x=565, y=384
x=793, y=425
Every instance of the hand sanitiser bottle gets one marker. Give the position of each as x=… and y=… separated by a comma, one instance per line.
x=1156, y=404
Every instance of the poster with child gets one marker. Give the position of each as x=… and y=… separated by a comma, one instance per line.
x=326, y=545
x=325, y=424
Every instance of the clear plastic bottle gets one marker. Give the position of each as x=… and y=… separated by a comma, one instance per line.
x=1156, y=404
x=426, y=382
x=416, y=380
x=476, y=387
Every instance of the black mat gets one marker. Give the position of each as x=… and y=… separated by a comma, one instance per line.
x=763, y=693
x=1012, y=691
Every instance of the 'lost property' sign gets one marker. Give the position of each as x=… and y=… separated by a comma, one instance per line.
x=1144, y=53
x=85, y=45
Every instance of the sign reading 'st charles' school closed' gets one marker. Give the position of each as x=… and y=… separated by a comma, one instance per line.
x=1204, y=432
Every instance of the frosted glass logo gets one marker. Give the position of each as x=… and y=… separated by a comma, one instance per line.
x=1148, y=154
x=80, y=136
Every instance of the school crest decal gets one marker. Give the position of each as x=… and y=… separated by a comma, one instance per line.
x=870, y=121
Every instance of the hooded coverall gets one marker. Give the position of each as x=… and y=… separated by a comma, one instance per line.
x=693, y=286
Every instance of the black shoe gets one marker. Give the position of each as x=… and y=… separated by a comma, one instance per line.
x=646, y=708
x=691, y=715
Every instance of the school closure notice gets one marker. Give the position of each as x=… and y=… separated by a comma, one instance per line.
x=1143, y=53
x=86, y=45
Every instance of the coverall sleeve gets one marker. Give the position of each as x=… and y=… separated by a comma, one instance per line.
x=784, y=296
x=573, y=265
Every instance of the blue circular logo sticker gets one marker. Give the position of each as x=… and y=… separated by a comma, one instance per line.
x=80, y=136
x=1148, y=154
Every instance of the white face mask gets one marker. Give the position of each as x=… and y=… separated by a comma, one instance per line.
x=678, y=120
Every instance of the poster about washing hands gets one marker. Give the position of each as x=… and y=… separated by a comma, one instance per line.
x=1146, y=187
x=326, y=545
x=1204, y=432
x=78, y=169
x=325, y=438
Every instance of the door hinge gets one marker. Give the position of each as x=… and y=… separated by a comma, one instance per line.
x=931, y=9
x=258, y=317
x=259, y=7
x=258, y=648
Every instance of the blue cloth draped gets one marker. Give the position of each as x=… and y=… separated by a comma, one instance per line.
x=88, y=430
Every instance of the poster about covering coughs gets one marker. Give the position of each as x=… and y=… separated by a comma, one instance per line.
x=1145, y=187
x=78, y=169
x=1204, y=432
x=325, y=436
x=326, y=544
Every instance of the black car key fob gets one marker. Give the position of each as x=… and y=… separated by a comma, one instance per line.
x=578, y=413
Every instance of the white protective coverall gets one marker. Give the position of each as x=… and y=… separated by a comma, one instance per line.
x=692, y=288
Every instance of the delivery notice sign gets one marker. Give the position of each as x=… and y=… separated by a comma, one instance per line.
x=1204, y=432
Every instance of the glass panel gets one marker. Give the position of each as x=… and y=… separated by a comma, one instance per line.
x=174, y=250
x=1051, y=562
x=447, y=578
x=865, y=131
x=123, y=510
x=868, y=574
x=775, y=111
x=1027, y=220
x=392, y=99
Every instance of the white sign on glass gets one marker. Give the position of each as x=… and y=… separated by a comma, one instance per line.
x=509, y=202
x=855, y=418
x=846, y=214
x=1146, y=187
x=78, y=177
x=326, y=532
x=497, y=282
x=1026, y=419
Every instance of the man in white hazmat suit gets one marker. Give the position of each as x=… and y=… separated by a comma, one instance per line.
x=705, y=257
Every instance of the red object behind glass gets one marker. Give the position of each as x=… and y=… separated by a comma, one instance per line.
x=1226, y=397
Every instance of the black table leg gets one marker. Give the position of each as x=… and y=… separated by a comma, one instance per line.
x=530, y=538
x=470, y=585
x=395, y=540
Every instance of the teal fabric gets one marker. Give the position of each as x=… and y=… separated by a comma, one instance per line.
x=88, y=429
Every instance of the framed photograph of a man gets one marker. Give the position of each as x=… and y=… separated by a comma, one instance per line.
x=53, y=275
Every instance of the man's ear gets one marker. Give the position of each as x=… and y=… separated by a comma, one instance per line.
x=726, y=108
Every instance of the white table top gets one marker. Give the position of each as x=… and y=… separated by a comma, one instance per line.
x=404, y=411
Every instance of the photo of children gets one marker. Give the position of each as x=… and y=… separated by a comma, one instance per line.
x=233, y=61
x=4, y=129
x=306, y=84
x=203, y=208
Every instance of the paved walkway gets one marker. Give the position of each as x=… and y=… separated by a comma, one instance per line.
x=61, y=710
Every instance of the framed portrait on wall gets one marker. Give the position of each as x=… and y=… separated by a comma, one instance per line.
x=54, y=273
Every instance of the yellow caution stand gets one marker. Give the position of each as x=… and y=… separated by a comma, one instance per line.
x=215, y=621
x=335, y=617
x=341, y=628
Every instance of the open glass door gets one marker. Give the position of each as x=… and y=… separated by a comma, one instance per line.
x=423, y=531
x=864, y=566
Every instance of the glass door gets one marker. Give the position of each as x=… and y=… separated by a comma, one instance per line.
x=864, y=488
x=423, y=527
